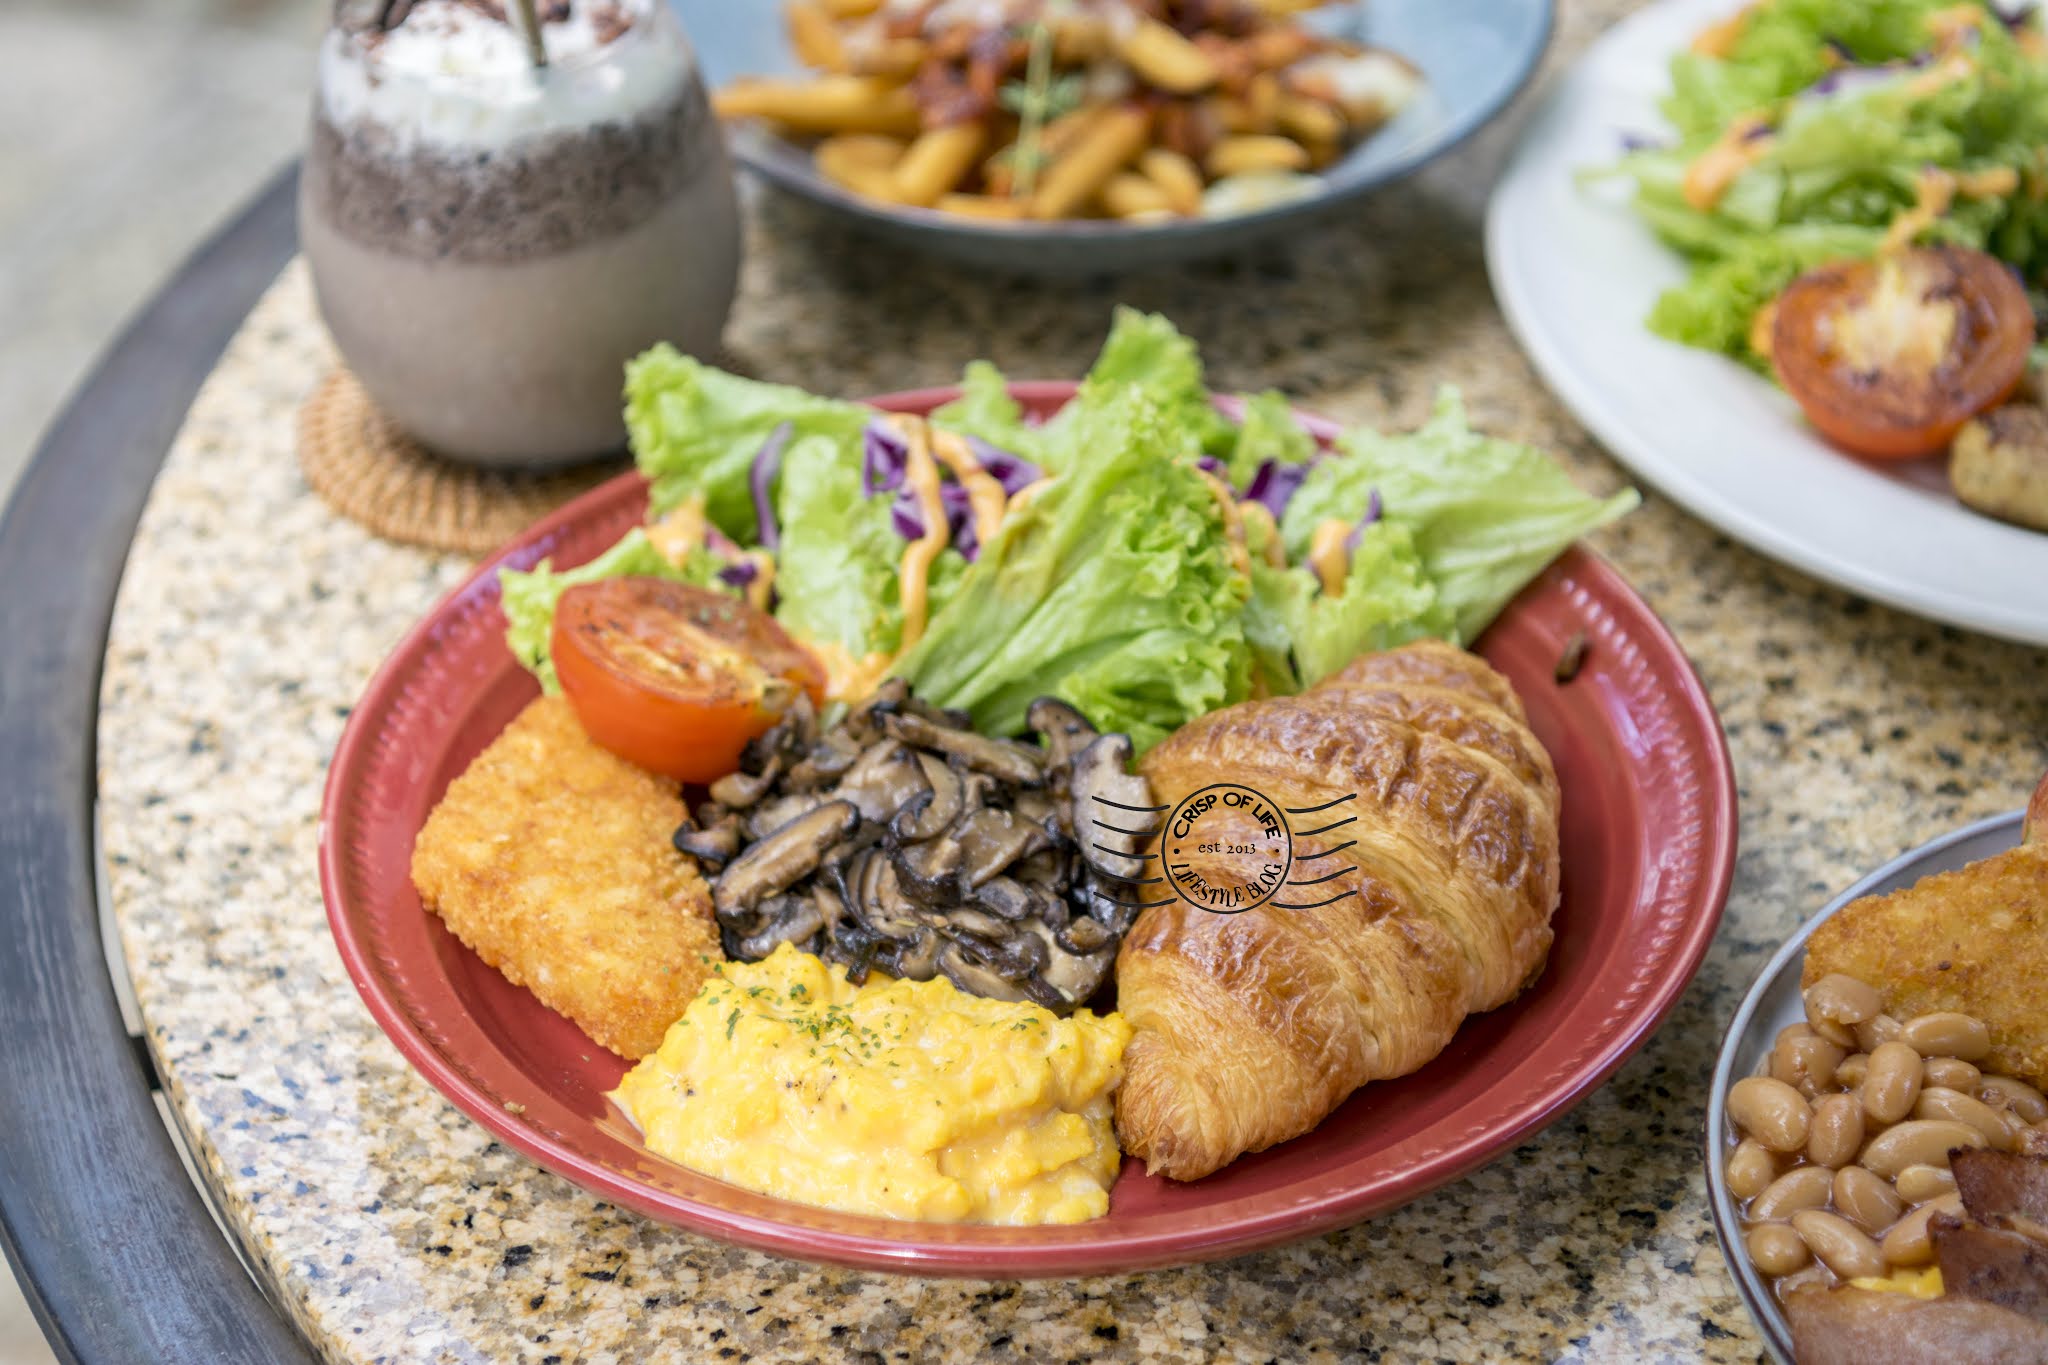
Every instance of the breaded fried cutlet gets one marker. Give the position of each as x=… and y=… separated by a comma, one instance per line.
x=1974, y=940
x=551, y=858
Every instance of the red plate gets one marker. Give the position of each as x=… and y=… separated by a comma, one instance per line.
x=1648, y=841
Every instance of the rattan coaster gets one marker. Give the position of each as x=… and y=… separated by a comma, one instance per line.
x=369, y=471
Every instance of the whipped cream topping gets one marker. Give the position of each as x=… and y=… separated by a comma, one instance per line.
x=451, y=74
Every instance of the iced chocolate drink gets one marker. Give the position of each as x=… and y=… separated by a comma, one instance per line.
x=491, y=241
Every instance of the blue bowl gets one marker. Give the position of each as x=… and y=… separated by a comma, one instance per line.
x=1474, y=56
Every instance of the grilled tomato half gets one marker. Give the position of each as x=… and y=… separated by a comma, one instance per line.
x=674, y=678
x=1889, y=357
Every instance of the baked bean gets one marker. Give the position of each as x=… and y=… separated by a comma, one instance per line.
x=1806, y=1063
x=1918, y=1184
x=1775, y=1249
x=1866, y=1200
x=1841, y=999
x=1851, y=1070
x=1836, y=1133
x=1891, y=1083
x=1750, y=1168
x=1950, y=1074
x=2010, y=1092
x=1878, y=1029
x=1839, y=1244
x=1802, y=1187
x=1947, y=1034
x=1917, y=1142
x=1937, y=1102
x=1908, y=1243
x=1840, y=1034
x=1770, y=1111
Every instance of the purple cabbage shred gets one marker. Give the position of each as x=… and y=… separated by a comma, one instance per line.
x=1011, y=471
x=739, y=575
x=1373, y=508
x=884, y=459
x=761, y=483
x=1274, y=484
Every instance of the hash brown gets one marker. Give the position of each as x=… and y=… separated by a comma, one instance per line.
x=551, y=859
x=1973, y=940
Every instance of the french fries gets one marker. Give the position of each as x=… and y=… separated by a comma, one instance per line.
x=936, y=162
x=829, y=104
x=1128, y=110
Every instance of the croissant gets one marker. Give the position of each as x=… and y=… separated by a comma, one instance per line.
x=1424, y=874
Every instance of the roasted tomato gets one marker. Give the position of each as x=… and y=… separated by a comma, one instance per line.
x=674, y=678
x=1890, y=357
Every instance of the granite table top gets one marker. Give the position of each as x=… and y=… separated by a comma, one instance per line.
x=392, y=1229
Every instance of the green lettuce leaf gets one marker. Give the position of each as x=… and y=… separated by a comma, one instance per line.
x=1485, y=515
x=1269, y=431
x=1113, y=589
x=836, y=570
x=1300, y=635
x=696, y=429
x=528, y=599
x=985, y=409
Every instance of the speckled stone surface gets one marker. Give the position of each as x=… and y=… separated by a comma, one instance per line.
x=394, y=1230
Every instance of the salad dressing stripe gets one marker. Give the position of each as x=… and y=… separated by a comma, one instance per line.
x=984, y=494
x=914, y=573
x=1327, y=556
x=1741, y=145
x=1276, y=553
x=683, y=531
x=1233, y=523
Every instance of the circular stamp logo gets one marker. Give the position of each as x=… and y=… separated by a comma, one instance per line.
x=1227, y=848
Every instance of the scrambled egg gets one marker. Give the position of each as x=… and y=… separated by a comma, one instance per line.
x=907, y=1099
x=1914, y=1284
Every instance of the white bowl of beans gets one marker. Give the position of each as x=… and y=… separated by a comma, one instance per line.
x=1830, y=1124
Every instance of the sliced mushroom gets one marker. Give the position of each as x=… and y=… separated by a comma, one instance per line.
x=923, y=817
x=794, y=919
x=976, y=978
x=1112, y=815
x=828, y=759
x=772, y=814
x=1106, y=901
x=738, y=791
x=1046, y=868
x=863, y=724
x=852, y=947
x=1009, y=898
x=1083, y=935
x=1004, y=758
x=716, y=844
x=981, y=925
x=779, y=861
x=1077, y=977
x=929, y=873
x=990, y=840
x=882, y=781
x=786, y=739
x=1066, y=730
x=916, y=958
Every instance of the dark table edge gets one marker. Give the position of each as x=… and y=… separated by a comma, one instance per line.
x=117, y=1254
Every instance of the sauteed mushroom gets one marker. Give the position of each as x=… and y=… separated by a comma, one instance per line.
x=902, y=841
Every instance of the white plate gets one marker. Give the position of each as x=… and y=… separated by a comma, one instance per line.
x=1772, y=1003
x=1576, y=272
